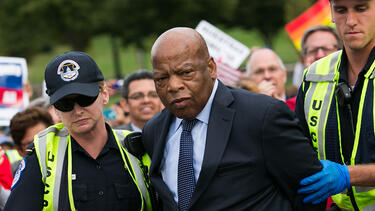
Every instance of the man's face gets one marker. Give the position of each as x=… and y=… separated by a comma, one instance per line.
x=318, y=45
x=143, y=101
x=183, y=78
x=29, y=137
x=83, y=120
x=265, y=68
x=355, y=22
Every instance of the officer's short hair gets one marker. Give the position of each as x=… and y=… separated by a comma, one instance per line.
x=25, y=119
x=317, y=28
x=137, y=75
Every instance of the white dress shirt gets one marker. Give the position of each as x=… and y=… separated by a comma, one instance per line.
x=135, y=128
x=169, y=164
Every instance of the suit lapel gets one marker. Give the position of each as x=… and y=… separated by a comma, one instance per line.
x=218, y=131
x=158, y=153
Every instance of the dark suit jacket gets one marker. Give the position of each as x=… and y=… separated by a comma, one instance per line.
x=254, y=158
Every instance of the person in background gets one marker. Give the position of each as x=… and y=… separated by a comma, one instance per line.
x=216, y=147
x=79, y=164
x=140, y=99
x=335, y=105
x=6, y=176
x=43, y=102
x=316, y=42
x=24, y=125
x=247, y=84
x=266, y=69
x=116, y=116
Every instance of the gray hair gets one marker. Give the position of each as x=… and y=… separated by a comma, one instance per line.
x=42, y=102
x=255, y=49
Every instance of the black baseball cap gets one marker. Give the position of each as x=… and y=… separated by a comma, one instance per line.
x=72, y=73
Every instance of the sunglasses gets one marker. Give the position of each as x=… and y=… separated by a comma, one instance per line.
x=67, y=104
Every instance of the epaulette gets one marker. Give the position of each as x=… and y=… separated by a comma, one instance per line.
x=30, y=149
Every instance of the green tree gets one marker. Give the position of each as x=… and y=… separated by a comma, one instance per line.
x=266, y=16
x=293, y=8
x=21, y=31
x=29, y=26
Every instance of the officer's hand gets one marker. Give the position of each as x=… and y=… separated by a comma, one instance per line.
x=331, y=180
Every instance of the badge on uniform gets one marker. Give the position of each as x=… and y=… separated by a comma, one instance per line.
x=17, y=176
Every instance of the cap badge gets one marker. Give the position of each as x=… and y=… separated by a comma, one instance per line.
x=68, y=70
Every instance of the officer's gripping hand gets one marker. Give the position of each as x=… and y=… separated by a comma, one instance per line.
x=331, y=180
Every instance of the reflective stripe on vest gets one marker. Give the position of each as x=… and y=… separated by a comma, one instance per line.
x=316, y=112
x=51, y=159
x=323, y=76
x=139, y=178
x=50, y=148
x=13, y=155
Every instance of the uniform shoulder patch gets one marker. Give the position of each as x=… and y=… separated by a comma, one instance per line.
x=17, y=176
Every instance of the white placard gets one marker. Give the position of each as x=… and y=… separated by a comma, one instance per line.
x=13, y=76
x=222, y=46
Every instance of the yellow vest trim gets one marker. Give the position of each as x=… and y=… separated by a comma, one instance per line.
x=50, y=147
x=323, y=76
x=13, y=155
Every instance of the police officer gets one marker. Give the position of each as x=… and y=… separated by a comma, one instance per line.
x=79, y=164
x=336, y=108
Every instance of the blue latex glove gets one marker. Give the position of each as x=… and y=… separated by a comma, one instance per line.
x=331, y=180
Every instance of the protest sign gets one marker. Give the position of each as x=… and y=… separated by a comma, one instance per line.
x=227, y=52
x=13, y=76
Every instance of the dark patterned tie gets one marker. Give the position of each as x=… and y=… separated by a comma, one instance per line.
x=185, y=175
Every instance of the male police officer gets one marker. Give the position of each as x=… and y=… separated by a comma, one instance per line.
x=336, y=107
x=79, y=163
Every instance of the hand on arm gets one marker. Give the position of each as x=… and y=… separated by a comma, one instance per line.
x=331, y=180
x=362, y=175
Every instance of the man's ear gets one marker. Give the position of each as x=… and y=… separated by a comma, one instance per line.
x=212, y=68
x=105, y=94
x=124, y=105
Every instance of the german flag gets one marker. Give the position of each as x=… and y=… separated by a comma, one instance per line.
x=318, y=14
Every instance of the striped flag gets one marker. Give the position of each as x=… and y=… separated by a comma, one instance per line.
x=318, y=14
x=226, y=74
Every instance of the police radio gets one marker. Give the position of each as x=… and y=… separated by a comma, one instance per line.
x=133, y=143
x=343, y=93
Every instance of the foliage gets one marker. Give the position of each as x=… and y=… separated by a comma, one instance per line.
x=267, y=16
x=21, y=32
x=135, y=21
x=296, y=7
x=28, y=27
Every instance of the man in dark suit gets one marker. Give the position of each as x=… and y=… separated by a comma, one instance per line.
x=244, y=152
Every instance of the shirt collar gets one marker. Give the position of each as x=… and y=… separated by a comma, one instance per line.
x=343, y=69
x=135, y=128
x=204, y=115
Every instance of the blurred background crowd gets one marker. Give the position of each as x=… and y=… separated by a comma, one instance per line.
x=118, y=34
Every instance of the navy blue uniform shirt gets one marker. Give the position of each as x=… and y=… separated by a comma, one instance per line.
x=100, y=184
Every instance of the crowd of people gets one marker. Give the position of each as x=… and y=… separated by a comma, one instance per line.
x=180, y=139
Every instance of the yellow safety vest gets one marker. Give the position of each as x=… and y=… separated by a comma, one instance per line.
x=323, y=77
x=13, y=155
x=50, y=147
